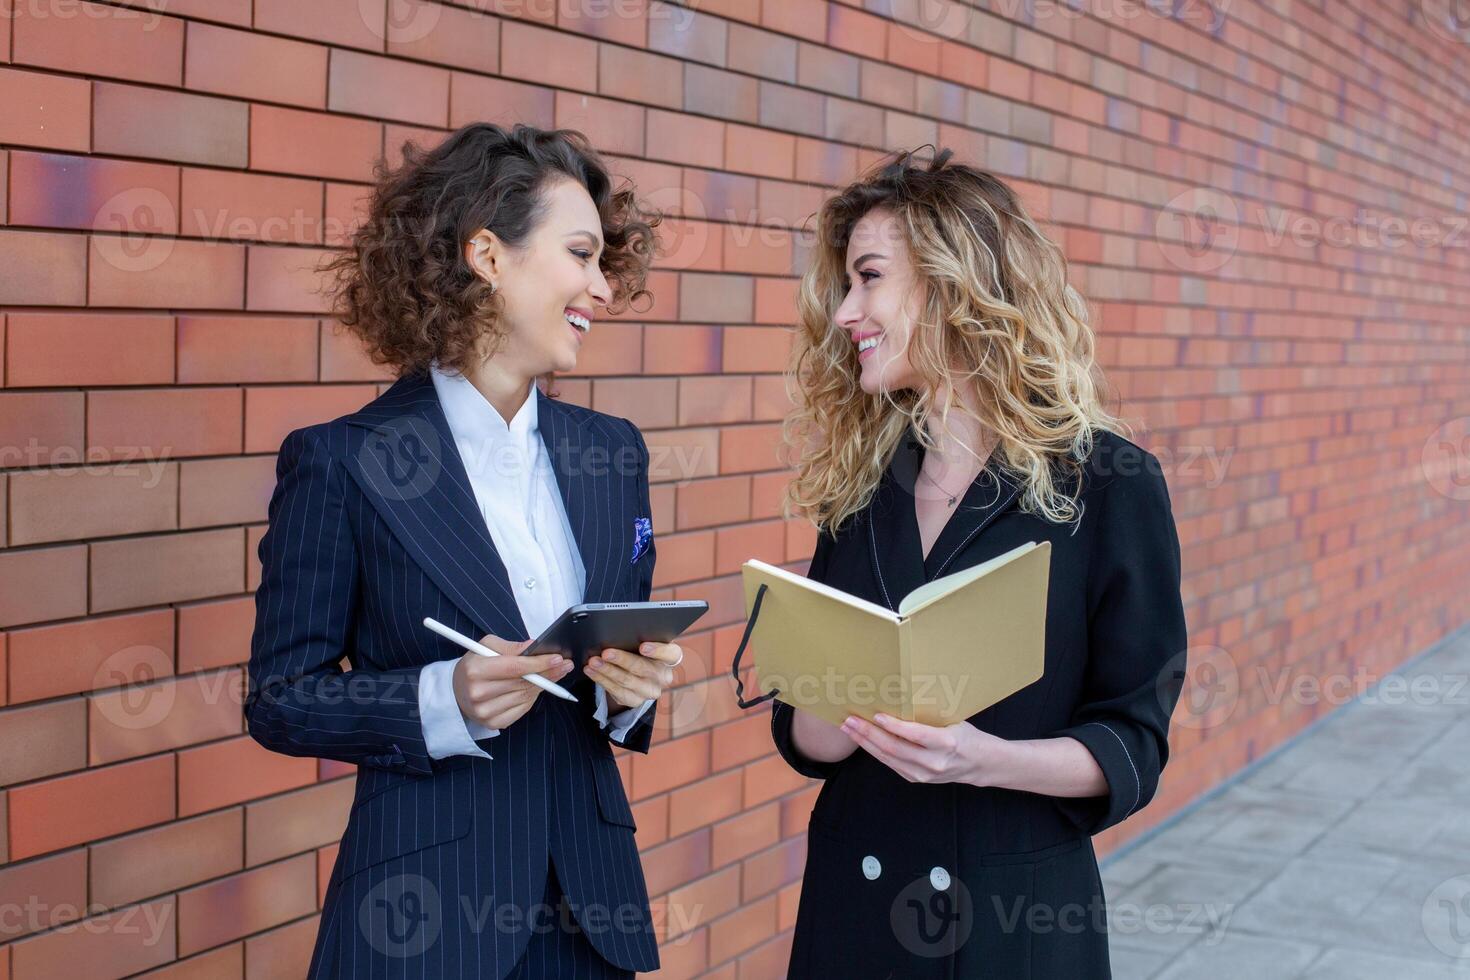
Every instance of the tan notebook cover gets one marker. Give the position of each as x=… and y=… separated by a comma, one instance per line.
x=956, y=646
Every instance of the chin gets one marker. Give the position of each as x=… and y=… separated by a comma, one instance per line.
x=875, y=382
x=890, y=382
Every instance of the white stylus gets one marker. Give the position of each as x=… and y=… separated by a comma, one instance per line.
x=457, y=637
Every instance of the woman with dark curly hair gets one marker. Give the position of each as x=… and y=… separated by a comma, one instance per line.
x=948, y=412
x=489, y=834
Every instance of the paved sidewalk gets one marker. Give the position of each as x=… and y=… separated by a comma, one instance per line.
x=1345, y=854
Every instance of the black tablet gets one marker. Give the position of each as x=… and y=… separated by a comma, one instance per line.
x=590, y=627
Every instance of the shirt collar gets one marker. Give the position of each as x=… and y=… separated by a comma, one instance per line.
x=475, y=423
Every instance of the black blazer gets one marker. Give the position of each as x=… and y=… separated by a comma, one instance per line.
x=373, y=526
x=910, y=880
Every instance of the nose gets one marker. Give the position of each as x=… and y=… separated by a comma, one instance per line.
x=600, y=289
x=849, y=315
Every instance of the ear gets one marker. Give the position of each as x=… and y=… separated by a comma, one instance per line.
x=486, y=255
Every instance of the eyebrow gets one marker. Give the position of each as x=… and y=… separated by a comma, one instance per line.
x=866, y=256
x=595, y=239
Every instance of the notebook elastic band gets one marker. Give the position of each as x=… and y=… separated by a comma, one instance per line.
x=755, y=610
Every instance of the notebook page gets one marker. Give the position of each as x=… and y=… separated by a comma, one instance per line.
x=929, y=591
x=826, y=590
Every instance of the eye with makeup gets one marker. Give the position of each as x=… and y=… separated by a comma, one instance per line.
x=587, y=245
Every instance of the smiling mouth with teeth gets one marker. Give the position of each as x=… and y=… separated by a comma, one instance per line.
x=580, y=322
x=868, y=343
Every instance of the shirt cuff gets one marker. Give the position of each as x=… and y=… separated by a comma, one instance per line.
x=622, y=721
x=446, y=731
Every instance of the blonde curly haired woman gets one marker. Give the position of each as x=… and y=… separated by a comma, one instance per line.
x=949, y=412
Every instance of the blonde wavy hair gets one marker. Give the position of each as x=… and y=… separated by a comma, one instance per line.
x=996, y=312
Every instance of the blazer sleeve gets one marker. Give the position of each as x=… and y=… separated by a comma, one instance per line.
x=639, y=737
x=1136, y=641
x=298, y=700
x=783, y=714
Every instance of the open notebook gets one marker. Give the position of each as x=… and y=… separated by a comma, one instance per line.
x=956, y=645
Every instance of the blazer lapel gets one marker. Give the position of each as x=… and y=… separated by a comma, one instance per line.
x=410, y=469
x=896, y=549
x=893, y=529
x=589, y=474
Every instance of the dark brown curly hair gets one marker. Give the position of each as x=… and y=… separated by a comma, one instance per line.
x=403, y=285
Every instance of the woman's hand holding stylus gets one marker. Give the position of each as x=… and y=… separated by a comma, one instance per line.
x=493, y=690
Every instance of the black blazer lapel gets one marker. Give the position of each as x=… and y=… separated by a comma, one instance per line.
x=896, y=549
x=893, y=530
x=411, y=471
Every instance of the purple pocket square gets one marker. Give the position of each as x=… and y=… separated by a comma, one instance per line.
x=642, y=537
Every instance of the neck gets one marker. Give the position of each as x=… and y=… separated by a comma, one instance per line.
x=506, y=390
x=962, y=443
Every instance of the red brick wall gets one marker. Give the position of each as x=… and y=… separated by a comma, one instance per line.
x=1293, y=385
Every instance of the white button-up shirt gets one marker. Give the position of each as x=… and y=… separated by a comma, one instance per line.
x=516, y=489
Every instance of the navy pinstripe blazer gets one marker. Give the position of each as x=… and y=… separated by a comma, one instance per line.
x=373, y=526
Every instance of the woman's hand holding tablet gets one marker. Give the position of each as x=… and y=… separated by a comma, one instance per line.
x=632, y=678
x=626, y=647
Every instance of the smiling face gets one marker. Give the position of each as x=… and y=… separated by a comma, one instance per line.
x=550, y=286
x=882, y=302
